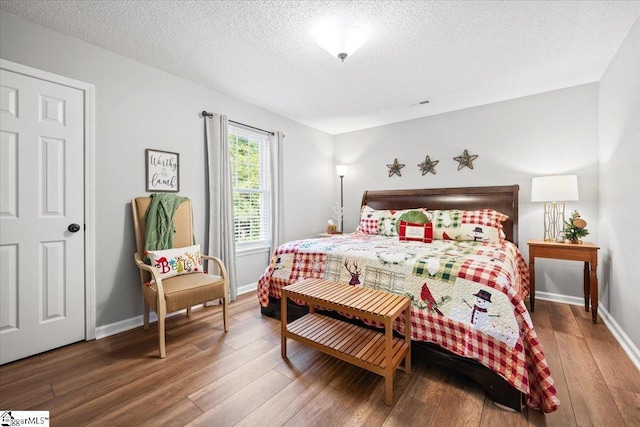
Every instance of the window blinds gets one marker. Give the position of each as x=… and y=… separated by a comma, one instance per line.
x=250, y=177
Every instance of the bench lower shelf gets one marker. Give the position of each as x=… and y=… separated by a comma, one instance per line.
x=352, y=343
x=378, y=352
x=493, y=384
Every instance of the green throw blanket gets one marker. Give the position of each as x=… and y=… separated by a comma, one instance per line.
x=160, y=221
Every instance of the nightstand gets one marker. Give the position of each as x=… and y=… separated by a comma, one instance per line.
x=586, y=252
x=329, y=234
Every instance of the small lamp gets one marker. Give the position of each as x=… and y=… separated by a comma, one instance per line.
x=342, y=171
x=551, y=190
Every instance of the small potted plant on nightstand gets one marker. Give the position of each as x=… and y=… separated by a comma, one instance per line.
x=574, y=228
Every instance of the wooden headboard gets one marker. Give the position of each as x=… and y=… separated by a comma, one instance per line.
x=500, y=198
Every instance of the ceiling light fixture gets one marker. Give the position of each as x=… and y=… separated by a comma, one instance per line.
x=341, y=40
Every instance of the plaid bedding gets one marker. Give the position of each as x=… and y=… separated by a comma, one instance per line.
x=467, y=297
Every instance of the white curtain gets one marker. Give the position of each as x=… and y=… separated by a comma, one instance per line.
x=277, y=196
x=222, y=243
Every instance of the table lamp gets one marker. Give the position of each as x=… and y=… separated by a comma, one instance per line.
x=554, y=190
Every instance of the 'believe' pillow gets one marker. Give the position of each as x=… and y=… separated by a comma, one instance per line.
x=172, y=262
x=416, y=232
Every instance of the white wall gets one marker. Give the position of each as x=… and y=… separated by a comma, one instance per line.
x=620, y=186
x=140, y=107
x=549, y=133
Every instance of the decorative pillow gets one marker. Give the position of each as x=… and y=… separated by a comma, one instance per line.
x=479, y=226
x=368, y=220
x=172, y=262
x=414, y=231
x=388, y=223
x=416, y=216
x=385, y=222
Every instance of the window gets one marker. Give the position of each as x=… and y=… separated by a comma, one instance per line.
x=250, y=178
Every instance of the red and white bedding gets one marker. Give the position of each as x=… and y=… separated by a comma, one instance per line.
x=467, y=297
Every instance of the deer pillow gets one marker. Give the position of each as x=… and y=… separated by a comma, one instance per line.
x=172, y=262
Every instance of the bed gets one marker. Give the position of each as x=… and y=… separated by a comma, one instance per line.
x=467, y=286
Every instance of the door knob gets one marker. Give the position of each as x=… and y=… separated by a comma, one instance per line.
x=74, y=228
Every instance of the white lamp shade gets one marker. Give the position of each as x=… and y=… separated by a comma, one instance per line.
x=555, y=188
x=342, y=170
x=341, y=39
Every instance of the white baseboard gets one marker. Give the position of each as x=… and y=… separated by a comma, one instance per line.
x=135, y=322
x=565, y=299
x=627, y=345
x=623, y=339
x=247, y=288
x=127, y=324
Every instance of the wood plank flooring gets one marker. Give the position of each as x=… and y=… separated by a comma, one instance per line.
x=239, y=378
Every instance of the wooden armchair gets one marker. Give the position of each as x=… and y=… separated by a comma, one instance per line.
x=178, y=292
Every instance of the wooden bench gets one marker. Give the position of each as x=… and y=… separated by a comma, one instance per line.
x=378, y=352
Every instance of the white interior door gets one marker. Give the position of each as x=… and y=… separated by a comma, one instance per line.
x=42, y=292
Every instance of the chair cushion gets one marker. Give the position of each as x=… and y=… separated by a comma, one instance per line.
x=186, y=291
x=172, y=262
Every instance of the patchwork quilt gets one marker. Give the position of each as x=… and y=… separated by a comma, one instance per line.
x=467, y=297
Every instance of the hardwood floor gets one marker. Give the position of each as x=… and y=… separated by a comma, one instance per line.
x=239, y=378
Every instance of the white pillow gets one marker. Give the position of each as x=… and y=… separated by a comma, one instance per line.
x=172, y=262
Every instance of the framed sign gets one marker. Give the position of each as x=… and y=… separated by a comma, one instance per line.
x=163, y=171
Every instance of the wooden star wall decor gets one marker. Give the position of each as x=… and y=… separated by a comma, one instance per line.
x=394, y=168
x=465, y=159
x=428, y=166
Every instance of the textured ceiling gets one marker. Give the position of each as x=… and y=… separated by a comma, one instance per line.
x=455, y=54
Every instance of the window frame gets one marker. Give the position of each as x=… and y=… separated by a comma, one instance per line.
x=256, y=245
